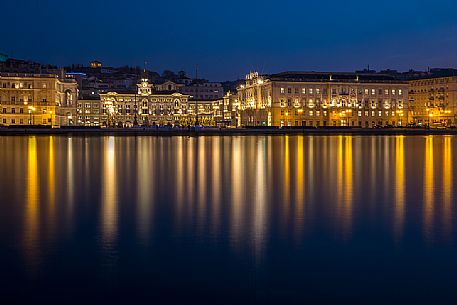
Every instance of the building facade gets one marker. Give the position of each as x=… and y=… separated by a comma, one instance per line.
x=323, y=99
x=37, y=99
x=433, y=101
x=144, y=107
x=203, y=90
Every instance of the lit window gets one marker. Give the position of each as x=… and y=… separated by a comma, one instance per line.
x=282, y=90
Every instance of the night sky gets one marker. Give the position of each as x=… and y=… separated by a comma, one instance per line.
x=229, y=38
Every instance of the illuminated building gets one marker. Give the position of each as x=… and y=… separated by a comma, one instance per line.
x=37, y=99
x=89, y=112
x=433, y=101
x=95, y=64
x=144, y=107
x=201, y=89
x=323, y=99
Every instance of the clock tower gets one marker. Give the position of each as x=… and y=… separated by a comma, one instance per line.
x=144, y=87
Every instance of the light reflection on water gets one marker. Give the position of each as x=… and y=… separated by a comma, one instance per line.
x=242, y=199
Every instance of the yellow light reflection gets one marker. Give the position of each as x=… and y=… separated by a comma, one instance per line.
x=51, y=221
x=286, y=185
x=146, y=186
x=399, y=208
x=428, y=189
x=109, y=196
x=32, y=219
x=180, y=173
x=201, y=177
x=260, y=209
x=300, y=189
x=216, y=183
x=238, y=183
x=448, y=184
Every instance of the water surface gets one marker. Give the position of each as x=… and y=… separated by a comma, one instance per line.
x=228, y=220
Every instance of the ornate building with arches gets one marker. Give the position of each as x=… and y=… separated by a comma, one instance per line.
x=145, y=107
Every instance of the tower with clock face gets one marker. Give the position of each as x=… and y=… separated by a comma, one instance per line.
x=144, y=87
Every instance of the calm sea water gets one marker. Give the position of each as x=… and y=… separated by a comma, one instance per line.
x=228, y=220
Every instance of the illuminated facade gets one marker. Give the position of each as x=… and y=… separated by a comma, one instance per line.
x=144, y=107
x=433, y=101
x=37, y=99
x=150, y=107
x=89, y=113
x=322, y=99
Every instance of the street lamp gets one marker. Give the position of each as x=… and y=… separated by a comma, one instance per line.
x=428, y=116
x=31, y=110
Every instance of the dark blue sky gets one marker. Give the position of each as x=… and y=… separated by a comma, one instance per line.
x=227, y=39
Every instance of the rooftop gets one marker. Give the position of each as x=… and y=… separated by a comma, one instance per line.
x=333, y=77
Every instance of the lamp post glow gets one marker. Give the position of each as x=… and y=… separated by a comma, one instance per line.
x=31, y=110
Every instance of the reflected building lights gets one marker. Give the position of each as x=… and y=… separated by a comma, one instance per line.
x=238, y=183
x=180, y=173
x=109, y=216
x=300, y=190
x=286, y=185
x=32, y=209
x=428, y=189
x=216, y=184
x=400, y=185
x=201, y=178
x=260, y=204
x=51, y=219
x=146, y=187
x=448, y=184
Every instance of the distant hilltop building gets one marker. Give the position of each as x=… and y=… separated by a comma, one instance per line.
x=95, y=64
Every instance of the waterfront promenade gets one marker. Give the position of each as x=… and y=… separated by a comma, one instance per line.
x=151, y=131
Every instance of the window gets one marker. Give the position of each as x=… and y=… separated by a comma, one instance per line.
x=373, y=91
x=13, y=110
x=21, y=110
x=289, y=90
x=400, y=92
x=282, y=90
x=310, y=90
x=303, y=90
